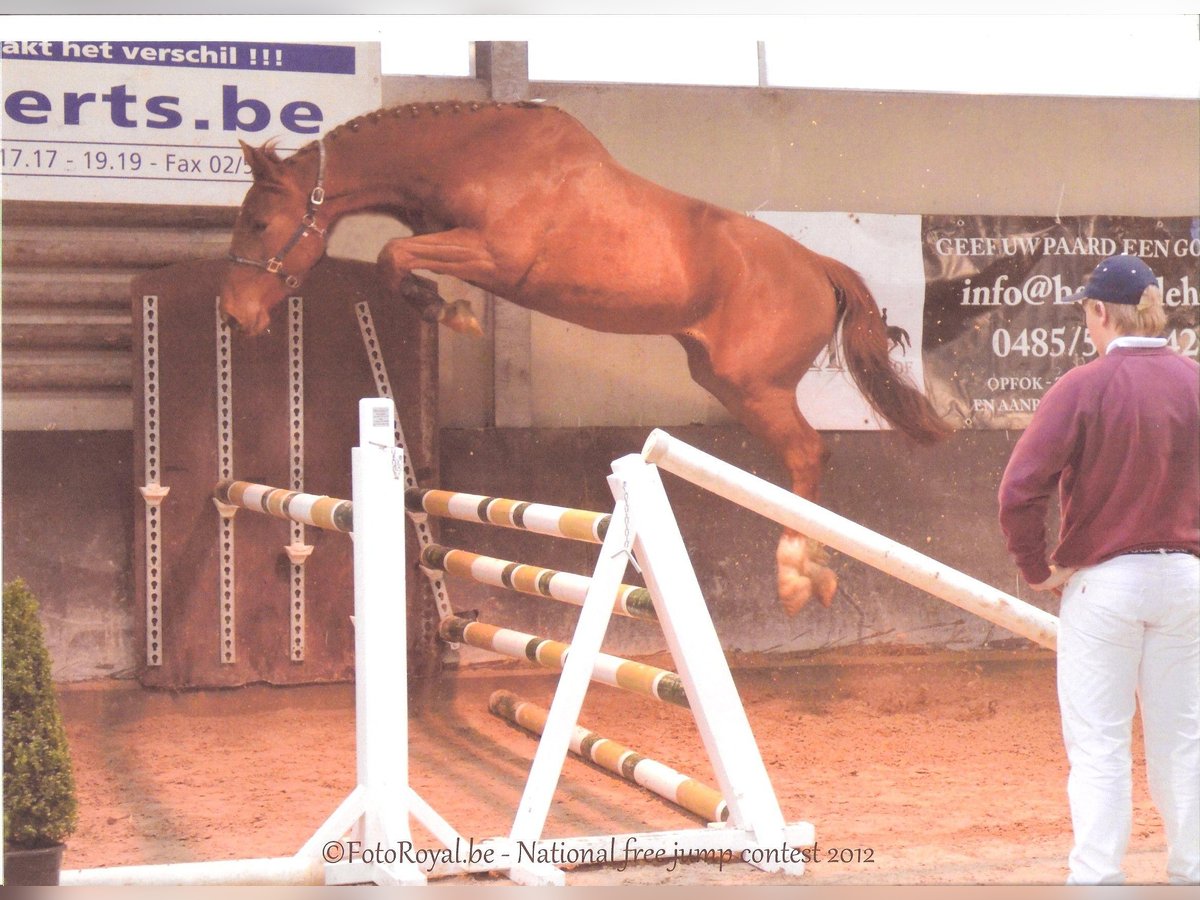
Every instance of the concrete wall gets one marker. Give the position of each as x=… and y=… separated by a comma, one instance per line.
x=68, y=532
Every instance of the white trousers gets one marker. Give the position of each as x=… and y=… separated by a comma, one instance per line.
x=1130, y=628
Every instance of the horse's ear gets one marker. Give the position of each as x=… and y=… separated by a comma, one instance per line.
x=264, y=164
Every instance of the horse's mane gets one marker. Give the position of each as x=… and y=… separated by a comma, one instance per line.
x=403, y=111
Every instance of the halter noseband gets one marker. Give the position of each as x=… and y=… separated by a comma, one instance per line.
x=308, y=223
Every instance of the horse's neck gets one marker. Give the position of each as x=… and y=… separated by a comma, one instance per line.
x=353, y=184
x=385, y=161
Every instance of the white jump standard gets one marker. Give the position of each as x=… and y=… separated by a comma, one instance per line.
x=641, y=531
x=379, y=807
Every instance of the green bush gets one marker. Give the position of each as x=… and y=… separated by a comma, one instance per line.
x=39, y=785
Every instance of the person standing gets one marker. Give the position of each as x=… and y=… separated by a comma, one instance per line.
x=1119, y=438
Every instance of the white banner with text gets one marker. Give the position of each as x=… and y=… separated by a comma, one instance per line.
x=159, y=121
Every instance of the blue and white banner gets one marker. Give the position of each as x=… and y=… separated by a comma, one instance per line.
x=159, y=121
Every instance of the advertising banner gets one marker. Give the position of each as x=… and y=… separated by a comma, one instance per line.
x=969, y=303
x=159, y=121
x=994, y=338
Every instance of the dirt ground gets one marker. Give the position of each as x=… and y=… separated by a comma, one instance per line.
x=932, y=768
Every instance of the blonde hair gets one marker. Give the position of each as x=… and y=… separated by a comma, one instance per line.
x=1147, y=319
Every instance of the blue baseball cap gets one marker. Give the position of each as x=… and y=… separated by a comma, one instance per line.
x=1118, y=279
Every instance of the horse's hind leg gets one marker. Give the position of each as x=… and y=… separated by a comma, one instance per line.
x=769, y=411
x=800, y=562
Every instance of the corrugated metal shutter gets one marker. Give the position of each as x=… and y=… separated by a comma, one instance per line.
x=65, y=284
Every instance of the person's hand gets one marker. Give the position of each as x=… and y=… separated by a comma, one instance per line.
x=1059, y=575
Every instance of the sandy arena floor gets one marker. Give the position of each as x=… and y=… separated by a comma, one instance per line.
x=942, y=768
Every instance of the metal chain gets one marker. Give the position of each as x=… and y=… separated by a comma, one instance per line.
x=627, y=550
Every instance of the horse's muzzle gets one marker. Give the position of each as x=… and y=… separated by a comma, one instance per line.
x=249, y=323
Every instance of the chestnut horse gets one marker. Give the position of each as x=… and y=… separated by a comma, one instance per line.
x=524, y=202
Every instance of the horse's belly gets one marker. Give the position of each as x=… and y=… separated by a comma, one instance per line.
x=609, y=309
x=612, y=279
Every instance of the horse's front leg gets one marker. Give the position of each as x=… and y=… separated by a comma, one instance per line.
x=458, y=252
x=423, y=295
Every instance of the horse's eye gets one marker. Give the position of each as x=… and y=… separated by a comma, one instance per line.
x=258, y=227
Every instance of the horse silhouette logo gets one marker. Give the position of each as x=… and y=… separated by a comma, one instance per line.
x=897, y=336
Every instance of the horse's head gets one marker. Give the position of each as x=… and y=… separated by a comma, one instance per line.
x=276, y=239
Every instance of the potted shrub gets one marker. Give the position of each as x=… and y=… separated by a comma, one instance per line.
x=39, y=785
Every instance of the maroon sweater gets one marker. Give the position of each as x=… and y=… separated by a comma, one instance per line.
x=1120, y=437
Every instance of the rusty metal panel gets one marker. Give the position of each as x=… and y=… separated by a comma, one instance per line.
x=186, y=449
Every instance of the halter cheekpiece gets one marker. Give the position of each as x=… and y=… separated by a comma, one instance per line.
x=308, y=223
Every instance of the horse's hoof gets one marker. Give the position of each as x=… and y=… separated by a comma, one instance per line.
x=825, y=584
x=795, y=590
x=459, y=317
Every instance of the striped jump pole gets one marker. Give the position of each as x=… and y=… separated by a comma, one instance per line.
x=310, y=509
x=694, y=796
x=639, y=678
x=849, y=537
x=540, y=518
x=566, y=587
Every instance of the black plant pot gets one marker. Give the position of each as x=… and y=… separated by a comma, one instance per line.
x=32, y=867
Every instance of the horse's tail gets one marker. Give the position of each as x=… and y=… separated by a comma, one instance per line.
x=865, y=349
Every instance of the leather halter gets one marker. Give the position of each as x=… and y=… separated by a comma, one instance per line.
x=308, y=223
